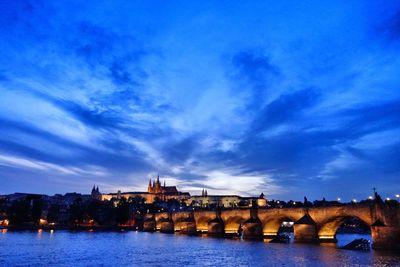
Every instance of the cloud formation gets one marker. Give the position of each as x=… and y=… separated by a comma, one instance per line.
x=240, y=98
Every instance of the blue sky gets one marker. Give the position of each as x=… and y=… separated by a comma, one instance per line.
x=286, y=98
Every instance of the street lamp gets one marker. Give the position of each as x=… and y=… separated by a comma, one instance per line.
x=398, y=197
x=370, y=197
x=354, y=200
x=338, y=199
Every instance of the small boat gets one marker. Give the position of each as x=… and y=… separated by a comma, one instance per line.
x=282, y=238
x=360, y=244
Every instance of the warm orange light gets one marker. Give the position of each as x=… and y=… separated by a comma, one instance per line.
x=42, y=221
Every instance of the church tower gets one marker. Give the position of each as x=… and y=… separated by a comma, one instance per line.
x=95, y=194
x=158, y=185
x=150, y=187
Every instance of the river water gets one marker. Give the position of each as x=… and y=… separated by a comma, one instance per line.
x=65, y=248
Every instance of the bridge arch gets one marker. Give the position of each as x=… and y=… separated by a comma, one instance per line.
x=271, y=226
x=232, y=224
x=328, y=230
x=202, y=223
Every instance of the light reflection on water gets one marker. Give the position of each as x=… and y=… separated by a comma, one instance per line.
x=64, y=248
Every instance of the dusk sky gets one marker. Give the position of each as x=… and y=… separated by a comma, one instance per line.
x=240, y=97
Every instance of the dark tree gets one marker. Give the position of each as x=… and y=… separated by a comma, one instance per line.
x=77, y=212
x=53, y=214
x=122, y=211
x=37, y=207
x=19, y=212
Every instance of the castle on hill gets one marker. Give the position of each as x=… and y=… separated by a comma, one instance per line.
x=155, y=187
x=154, y=191
x=158, y=191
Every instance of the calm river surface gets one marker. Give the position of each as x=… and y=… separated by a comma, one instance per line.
x=64, y=248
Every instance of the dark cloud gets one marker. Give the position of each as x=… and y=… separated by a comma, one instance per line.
x=120, y=54
x=301, y=154
x=119, y=153
x=390, y=28
x=122, y=79
x=285, y=108
x=373, y=116
x=93, y=117
x=179, y=151
x=12, y=12
x=255, y=71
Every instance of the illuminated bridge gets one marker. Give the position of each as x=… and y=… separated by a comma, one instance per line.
x=315, y=224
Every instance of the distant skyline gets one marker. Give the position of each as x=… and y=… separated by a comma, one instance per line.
x=239, y=97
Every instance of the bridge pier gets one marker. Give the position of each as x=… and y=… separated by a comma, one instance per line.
x=252, y=229
x=166, y=226
x=305, y=230
x=385, y=237
x=216, y=227
x=149, y=225
x=188, y=227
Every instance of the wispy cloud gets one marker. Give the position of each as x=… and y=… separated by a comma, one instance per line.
x=231, y=98
x=49, y=168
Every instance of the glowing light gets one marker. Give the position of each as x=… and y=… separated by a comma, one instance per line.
x=338, y=199
x=370, y=197
x=354, y=200
x=388, y=199
x=270, y=233
x=398, y=195
x=326, y=237
x=287, y=224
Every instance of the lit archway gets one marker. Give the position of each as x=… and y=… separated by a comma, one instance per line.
x=344, y=229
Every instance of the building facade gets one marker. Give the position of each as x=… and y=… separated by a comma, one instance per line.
x=155, y=191
x=226, y=201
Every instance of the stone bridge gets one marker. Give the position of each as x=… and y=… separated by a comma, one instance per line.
x=315, y=224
